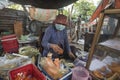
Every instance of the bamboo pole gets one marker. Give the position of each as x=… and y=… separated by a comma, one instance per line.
x=95, y=39
x=112, y=11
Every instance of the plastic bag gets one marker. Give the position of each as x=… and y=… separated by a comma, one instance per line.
x=80, y=73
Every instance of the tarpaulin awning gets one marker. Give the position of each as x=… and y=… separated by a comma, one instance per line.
x=44, y=15
x=102, y=5
x=45, y=4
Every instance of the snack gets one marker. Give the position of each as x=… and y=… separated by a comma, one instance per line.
x=98, y=74
x=114, y=77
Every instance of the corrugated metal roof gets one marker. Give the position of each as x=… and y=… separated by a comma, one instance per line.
x=45, y=4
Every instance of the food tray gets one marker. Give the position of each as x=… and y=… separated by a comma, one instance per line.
x=66, y=76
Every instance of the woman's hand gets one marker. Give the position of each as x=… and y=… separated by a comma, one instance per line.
x=56, y=48
x=71, y=55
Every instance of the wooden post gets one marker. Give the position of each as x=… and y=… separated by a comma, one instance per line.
x=95, y=39
x=18, y=29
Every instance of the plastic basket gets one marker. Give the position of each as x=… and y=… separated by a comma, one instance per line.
x=10, y=43
x=29, y=69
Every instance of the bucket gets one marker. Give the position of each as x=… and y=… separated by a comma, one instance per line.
x=80, y=73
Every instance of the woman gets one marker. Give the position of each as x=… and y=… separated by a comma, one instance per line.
x=55, y=39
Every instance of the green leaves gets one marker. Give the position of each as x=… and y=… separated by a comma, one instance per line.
x=84, y=8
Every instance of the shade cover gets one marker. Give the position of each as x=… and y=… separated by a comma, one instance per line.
x=45, y=4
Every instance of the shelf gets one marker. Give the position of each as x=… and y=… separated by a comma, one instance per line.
x=111, y=45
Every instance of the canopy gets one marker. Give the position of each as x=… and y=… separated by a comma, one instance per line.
x=45, y=4
x=103, y=5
